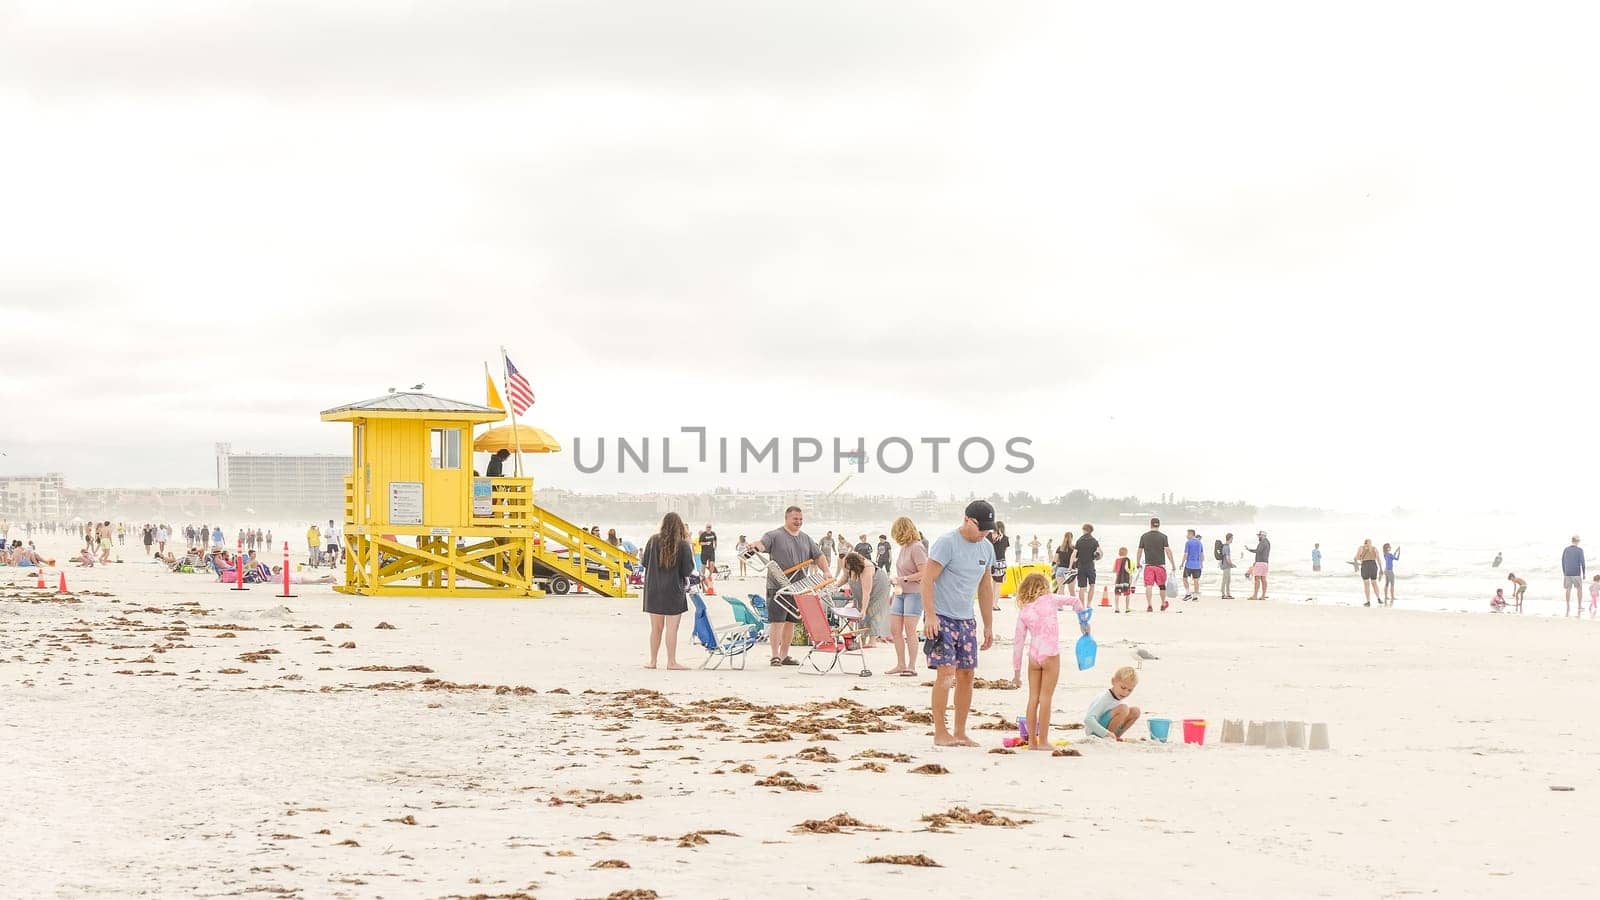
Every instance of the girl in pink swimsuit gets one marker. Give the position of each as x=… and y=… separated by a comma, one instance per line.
x=1036, y=620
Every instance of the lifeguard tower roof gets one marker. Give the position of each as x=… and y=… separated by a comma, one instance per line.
x=406, y=404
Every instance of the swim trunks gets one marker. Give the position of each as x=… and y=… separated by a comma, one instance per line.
x=956, y=644
x=1155, y=575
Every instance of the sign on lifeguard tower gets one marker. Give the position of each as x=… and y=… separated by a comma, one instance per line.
x=418, y=521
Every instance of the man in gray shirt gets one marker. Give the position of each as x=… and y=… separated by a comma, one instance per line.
x=1227, y=567
x=790, y=551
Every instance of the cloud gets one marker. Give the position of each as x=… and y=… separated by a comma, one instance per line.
x=373, y=48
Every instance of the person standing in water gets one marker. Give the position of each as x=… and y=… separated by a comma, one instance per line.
x=1572, y=571
x=1498, y=559
x=1519, y=591
x=1262, y=551
x=1388, y=573
x=1316, y=557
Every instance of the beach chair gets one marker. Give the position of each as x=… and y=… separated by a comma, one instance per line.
x=728, y=644
x=830, y=642
x=745, y=615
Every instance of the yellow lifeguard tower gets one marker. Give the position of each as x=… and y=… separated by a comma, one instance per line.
x=417, y=522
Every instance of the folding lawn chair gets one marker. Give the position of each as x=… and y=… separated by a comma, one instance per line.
x=744, y=615
x=728, y=644
x=832, y=641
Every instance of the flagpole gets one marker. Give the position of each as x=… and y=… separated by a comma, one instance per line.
x=511, y=407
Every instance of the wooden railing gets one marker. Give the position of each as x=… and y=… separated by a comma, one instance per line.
x=511, y=504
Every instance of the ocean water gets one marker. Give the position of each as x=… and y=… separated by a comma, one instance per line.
x=1445, y=562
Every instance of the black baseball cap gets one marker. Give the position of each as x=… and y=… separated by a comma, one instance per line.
x=982, y=512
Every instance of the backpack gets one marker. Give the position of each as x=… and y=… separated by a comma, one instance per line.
x=1216, y=549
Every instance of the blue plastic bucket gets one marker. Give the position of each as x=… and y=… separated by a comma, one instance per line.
x=1159, y=728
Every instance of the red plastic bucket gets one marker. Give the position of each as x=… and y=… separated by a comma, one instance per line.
x=1194, y=731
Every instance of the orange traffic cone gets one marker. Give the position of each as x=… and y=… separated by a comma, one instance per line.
x=63, y=588
x=41, y=579
x=1105, y=596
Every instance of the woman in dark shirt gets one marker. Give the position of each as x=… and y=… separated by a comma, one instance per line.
x=998, y=570
x=668, y=563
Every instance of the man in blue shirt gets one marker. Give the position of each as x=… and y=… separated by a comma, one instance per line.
x=1572, y=572
x=1194, y=554
x=957, y=570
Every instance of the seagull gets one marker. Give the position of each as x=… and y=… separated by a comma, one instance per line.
x=1140, y=654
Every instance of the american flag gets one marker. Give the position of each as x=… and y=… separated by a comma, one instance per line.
x=517, y=389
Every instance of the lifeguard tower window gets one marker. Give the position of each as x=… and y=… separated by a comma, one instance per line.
x=446, y=444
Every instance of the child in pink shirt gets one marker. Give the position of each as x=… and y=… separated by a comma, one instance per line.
x=1036, y=620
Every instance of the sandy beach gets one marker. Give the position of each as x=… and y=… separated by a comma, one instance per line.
x=165, y=736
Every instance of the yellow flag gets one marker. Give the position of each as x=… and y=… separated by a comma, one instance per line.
x=494, y=394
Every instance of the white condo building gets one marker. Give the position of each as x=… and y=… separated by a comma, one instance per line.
x=32, y=498
x=311, y=483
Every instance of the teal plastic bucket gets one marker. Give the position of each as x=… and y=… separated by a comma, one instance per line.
x=1159, y=728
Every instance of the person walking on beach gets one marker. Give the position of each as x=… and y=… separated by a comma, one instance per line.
x=1084, y=553
x=1316, y=557
x=1225, y=563
x=1572, y=571
x=957, y=563
x=331, y=539
x=1194, y=556
x=884, y=552
x=708, y=549
x=789, y=550
x=1389, y=559
x=1000, y=544
x=1367, y=559
x=1262, y=551
x=906, y=607
x=739, y=553
x=668, y=563
x=1033, y=547
x=313, y=545
x=826, y=544
x=863, y=547
x=1155, y=554
x=1063, y=564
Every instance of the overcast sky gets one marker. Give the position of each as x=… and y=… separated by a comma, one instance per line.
x=1339, y=255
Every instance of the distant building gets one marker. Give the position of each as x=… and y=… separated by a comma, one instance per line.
x=311, y=483
x=33, y=498
x=161, y=504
